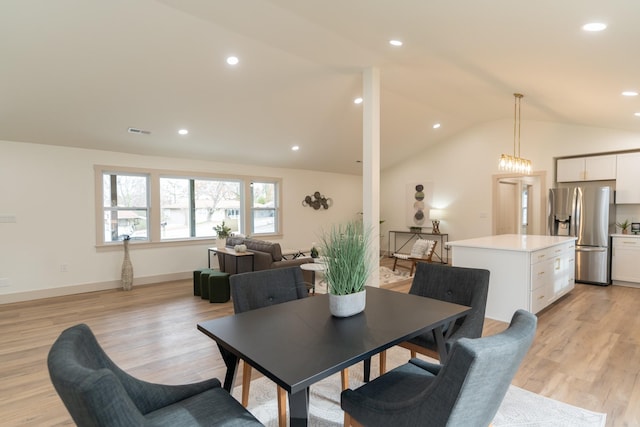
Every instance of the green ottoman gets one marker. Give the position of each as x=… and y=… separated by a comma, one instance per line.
x=219, y=290
x=204, y=283
x=196, y=280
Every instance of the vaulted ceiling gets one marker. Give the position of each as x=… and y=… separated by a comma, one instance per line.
x=81, y=72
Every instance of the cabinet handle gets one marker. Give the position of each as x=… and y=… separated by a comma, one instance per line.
x=629, y=243
x=540, y=273
x=541, y=297
x=540, y=256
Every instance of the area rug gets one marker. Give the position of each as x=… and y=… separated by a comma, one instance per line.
x=520, y=408
x=389, y=276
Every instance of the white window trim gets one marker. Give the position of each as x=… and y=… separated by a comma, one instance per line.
x=154, y=203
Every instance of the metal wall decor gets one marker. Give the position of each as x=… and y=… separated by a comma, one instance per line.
x=317, y=201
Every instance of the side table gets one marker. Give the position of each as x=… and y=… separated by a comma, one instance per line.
x=313, y=267
x=230, y=252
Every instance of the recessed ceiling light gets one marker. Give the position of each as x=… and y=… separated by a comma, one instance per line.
x=395, y=42
x=295, y=148
x=436, y=126
x=594, y=26
x=183, y=131
x=630, y=93
x=358, y=100
x=637, y=114
x=232, y=60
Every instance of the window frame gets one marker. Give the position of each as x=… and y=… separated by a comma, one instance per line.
x=276, y=209
x=154, y=203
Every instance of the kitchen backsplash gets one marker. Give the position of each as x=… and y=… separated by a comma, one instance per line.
x=630, y=212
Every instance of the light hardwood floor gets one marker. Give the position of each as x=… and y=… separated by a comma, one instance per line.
x=586, y=351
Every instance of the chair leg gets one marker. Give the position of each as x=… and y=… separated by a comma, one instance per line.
x=413, y=267
x=246, y=383
x=413, y=354
x=282, y=407
x=395, y=261
x=383, y=362
x=344, y=376
x=350, y=422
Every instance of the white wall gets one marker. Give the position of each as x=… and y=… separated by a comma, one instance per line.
x=461, y=169
x=50, y=191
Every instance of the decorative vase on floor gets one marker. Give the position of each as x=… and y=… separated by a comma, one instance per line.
x=127, y=267
x=347, y=305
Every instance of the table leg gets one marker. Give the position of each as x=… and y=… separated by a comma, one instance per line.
x=367, y=370
x=299, y=408
x=440, y=341
x=231, y=361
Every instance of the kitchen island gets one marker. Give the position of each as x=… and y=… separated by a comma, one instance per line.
x=527, y=271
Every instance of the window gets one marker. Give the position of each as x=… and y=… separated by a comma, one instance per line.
x=125, y=206
x=192, y=207
x=156, y=206
x=264, y=208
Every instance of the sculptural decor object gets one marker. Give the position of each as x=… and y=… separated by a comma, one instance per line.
x=127, y=268
x=317, y=201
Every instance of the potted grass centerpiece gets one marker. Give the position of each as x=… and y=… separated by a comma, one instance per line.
x=345, y=251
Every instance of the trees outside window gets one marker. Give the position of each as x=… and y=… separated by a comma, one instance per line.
x=159, y=206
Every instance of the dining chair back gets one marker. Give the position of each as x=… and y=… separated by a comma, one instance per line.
x=466, y=391
x=258, y=289
x=459, y=285
x=96, y=392
x=263, y=288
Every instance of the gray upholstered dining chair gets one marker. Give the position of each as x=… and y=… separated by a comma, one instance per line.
x=466, y=391
x=96, y=392
x=459, y=285
x=253, y=290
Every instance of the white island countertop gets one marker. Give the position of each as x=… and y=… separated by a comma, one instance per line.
x=513, y=242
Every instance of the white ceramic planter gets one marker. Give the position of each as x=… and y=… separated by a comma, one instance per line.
x=347, y=305
x=221, y=242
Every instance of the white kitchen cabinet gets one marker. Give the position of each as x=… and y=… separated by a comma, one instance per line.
x=628, y=178
x=592, y=168
x=526, y=271
x=625, y=260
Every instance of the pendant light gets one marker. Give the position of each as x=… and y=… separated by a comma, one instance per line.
x=515, y=163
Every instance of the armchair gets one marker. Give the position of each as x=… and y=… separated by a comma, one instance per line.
x=422, y=251
x=96, y=392
x=466, y=391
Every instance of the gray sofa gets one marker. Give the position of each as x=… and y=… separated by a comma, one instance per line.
x=266, y=255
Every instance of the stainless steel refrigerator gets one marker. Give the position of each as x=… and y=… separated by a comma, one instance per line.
x=586, y=212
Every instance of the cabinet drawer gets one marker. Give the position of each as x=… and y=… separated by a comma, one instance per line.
x=552, y=252
x=626, y=242
x=540, y=298
x=541, y=274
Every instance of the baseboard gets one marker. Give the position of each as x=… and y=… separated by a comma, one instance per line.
x=627, y=284
x=90, y=287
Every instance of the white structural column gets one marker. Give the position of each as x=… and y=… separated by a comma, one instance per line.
x=371, y=165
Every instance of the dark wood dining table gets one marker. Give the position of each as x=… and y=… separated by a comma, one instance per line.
x=299, y=343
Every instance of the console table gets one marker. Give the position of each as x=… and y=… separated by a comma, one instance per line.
x=441, y=252
x=223, y=252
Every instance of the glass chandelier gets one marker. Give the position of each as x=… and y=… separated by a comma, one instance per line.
x=515, y=163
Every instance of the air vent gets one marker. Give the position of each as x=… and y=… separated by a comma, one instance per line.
x=136, y=130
